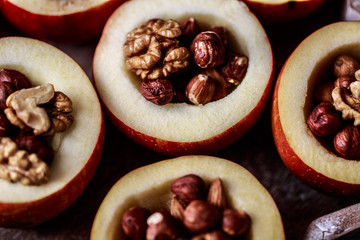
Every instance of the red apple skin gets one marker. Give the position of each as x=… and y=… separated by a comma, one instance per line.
x=277, y=13
x=15, y=215
x=298, y=167
x=70, y=28
x=207, y=146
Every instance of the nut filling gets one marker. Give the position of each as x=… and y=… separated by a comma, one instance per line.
x=195, y=213
x=173, y=59
x=336, y=118
x=30, y=116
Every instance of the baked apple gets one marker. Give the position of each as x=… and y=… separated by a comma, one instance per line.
x=152, y=187
x=65, y=21
x=28, y=198
x=194, y=126
x=270, y=11
x=314, y=62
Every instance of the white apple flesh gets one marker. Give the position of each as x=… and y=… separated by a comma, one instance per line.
x=149, y=187
x=78, y=150
x=183, y=128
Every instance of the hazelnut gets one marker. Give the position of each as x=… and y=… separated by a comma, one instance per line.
x=36, y=144
x=161, y=226
x=347, y=142
x=158, y=91
x=213, y=235
x=134, y=222
x=216, y=194
x=222, y=87
x=323, y=92
x=18, y=79
x=344, y=82
x=235, y=68
x=201, y=216
x=345, y=65
x=208, y=50
x=324, y=120
x=5, y=126
x=200, y=89
x=189, y=29
x=188, y=188
x=177, y=209
x=6, y=89
x=222, y=32
x=235, y=222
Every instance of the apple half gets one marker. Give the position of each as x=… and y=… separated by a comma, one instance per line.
x=181, y=128
x=77, y=150
x=65, y=21
x=277, y=11
x=149, y=187
x=301, y=152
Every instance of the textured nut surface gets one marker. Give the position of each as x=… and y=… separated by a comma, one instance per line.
x=200, y=89
x=345, y=65
x=26, y=103
x=189, y=29
x=222, y=32
x=324, y=120
x=216, y=194
x=344, y=82
x=323, y=92
x=176, y=209
x=347, y=102
x=222, y=87
x=6, y=89
x=208, y=50
x=235, y=68
x=14, y=77
x=235, y=222
x=200, y=216
x=161, y=226
x=134, y=222
x=158, y=91
x=20, y=166
x=347, y=142
x=188, y=188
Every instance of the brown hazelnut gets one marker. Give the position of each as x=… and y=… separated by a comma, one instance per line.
x=213, y=235
x=208, y=50
x=161, y=226
x=188, y=188
x=235, y=222
x=36, y=144
x=324, y=120
x=216, y=194
x=323, y=92
x=189, y=29
x=235, y=68
x=344, y=82
x=6, y=89
x=222, y=87
x=345, y=65
x=5, y=126
x=200, y=89
x=347, y=142
x=15, y=77
x=134, y=222
x=222, y=32
x=177, y=209
x=201, y=216
x=158, y=91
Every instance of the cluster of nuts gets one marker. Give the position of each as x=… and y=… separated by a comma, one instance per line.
x=180, y=63
x=29, y=115
x=195, y=213
x=337, y=116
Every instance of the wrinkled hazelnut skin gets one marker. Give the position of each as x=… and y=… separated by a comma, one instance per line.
x=235, y=222
x=222, y=32
x=200, y=89
x=6, y=89
x=222, y=87
x=5, y=126
x=36, y=144
x=324, y=120
x=189, y=29
x=208, y=50
x=201, y=216
x=345, y=65
x=347, y=142
x=161, y=226
x=323, y=92
x=188, y=188
x=344, y=82
x=134, y=222
x=15, y=77
x=158, y=91
x=235, y=68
